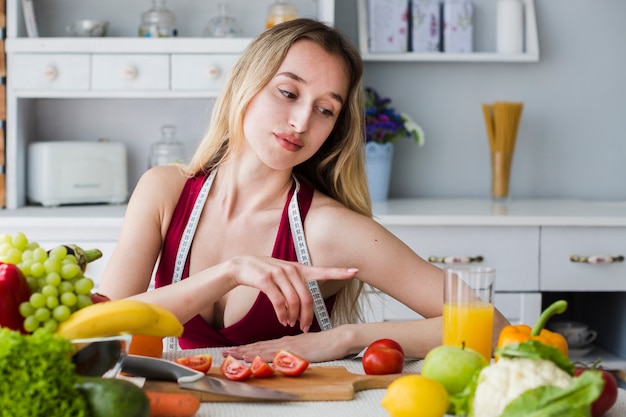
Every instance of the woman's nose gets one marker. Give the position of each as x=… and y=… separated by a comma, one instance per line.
x=300, y=117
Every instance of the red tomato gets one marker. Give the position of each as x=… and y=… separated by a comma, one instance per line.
x=260, y=368
x=388, y=343
x=201, y=363
x=234, y=369
x=289, y=363
x=608, y=396
x=380, y=360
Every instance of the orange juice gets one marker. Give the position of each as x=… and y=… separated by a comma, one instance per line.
x=469, y=323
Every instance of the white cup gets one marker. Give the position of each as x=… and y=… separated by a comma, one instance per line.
x=577, y=334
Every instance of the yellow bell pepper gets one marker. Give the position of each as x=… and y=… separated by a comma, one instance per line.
x=522, y=332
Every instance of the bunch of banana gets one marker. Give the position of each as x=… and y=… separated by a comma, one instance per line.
x=115, y=317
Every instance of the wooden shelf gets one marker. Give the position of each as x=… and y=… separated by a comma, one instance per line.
x=531, y=42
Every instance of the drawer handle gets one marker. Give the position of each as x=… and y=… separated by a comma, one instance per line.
x=213, y=72
x=455, y=260
x=596, y=259
x=50, y=73
x=130, y=73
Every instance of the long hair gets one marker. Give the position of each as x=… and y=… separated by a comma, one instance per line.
x=338, y=168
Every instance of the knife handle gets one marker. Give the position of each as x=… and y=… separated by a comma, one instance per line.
x=159, y=369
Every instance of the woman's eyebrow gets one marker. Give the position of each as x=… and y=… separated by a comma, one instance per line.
x=296, y=77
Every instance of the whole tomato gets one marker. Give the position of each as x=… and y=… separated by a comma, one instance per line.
x=379, y=359
x=388, y=343
x=607, y=397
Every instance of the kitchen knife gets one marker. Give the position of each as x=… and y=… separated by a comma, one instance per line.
x=187, y=378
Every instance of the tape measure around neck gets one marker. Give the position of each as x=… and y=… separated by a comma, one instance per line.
x=302, y=252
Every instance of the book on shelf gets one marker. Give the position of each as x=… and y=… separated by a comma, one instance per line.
x=30, y=19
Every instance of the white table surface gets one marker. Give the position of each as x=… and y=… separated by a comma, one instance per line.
x=365, y=403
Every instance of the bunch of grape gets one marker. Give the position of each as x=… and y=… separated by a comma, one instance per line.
x=57, y=283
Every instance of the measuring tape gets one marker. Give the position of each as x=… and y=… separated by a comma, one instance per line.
x=297, y=231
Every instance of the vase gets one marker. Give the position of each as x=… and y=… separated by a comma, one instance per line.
x=379, y=157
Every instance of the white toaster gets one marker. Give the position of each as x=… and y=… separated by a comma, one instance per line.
x=76, y=172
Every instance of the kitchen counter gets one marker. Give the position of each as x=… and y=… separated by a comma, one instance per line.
x=365, y=403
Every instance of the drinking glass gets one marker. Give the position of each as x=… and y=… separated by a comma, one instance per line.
x=468, y=308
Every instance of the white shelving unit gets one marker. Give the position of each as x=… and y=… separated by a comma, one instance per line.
x=66, y=88
x=531, y=41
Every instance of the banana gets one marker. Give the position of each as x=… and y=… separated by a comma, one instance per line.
x=109, y=318
x=168, y=324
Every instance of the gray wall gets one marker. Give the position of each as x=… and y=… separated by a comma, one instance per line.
x=572, y=137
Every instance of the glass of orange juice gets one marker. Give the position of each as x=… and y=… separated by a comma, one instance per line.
x=468, y=308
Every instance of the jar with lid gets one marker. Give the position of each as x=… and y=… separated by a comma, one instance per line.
x=223, y=25
x=281, y=11
x=158, y=22
x=168, y=150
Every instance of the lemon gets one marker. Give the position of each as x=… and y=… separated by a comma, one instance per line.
x=416, y=396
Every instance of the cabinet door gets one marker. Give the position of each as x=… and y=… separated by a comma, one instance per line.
x=131, y=72
x=50, y=72
x=512, y=251
x=560, y=273
x=201, y=72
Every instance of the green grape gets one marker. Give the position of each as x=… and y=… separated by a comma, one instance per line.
x=52, y=265
x=50, y=291
x=70, y=259
x=6, y=238
x=37, y=269
x=37, y=300
x=24, y=266
x=69, y=270
x=27, y=255
x=61, y=313
x=32, y=283
x=53, y=278
x=32, y=246
x=42, y=314
x=66, y=286
x=52, y=301
x=4, y=249
x=83, y=286
x=20, y=240
x=31, y=324
x=40, y=255
x=58, y=252
x=50, y=325
x=14, y=256
x=69, y=299
x=83, y=301
x=26, y=309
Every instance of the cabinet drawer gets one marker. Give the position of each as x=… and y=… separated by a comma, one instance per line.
x=50, y=72
x=130, y=72
x=201, y=72
x=560, y=273
x=512, y=251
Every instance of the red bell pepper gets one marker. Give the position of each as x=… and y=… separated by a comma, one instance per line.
x=13, y=291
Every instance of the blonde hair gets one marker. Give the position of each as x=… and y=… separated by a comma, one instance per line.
x=338, y=167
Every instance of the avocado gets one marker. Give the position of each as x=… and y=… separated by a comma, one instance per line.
x=113, y=397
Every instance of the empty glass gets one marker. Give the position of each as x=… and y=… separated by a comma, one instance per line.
x=222, y=25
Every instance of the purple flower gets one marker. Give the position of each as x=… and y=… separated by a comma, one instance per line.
x=383, y=124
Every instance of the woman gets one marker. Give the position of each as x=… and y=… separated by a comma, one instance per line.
x=288, y=123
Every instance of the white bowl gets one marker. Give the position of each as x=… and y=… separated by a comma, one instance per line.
x=88, y=28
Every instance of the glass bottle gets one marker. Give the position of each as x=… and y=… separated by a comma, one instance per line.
x=169, y=150
x=281, y=11
x=158, y=22
x=222, y=25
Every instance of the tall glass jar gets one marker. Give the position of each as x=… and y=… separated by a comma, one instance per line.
x=281, y=11
x=158, y=22
x=168, y=150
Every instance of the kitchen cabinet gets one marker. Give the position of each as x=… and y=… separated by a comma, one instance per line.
x=484, y=23
x=93, y=78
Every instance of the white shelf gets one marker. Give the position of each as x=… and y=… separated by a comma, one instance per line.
x=531, y=42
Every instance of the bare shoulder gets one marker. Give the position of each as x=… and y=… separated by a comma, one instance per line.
x=159, y=187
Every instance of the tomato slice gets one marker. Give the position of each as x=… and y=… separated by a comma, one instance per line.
x=260, y=368
x=234, y=369
x=289, y=363
x=201, y=363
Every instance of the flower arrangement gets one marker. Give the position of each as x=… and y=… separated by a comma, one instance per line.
x=383, y=124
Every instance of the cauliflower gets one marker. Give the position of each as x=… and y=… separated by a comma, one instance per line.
x=502, y=382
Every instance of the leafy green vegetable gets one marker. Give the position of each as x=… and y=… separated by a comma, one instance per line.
x=533, y=349
x=37, y=376
x=549, y=401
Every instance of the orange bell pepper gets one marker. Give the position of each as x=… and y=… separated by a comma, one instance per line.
x=522, y=332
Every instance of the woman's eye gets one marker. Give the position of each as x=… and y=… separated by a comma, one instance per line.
x=286, y=93
x=326, y=112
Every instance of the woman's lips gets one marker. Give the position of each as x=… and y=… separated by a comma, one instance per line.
x=288, y=142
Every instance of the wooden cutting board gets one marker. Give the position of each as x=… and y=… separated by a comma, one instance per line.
x=317, y=383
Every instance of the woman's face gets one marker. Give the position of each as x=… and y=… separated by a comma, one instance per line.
x=291, y=117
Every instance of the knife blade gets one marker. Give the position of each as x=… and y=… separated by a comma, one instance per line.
x=187, y=378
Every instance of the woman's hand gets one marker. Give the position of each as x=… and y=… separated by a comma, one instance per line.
x=314, y=347
x=284, y=283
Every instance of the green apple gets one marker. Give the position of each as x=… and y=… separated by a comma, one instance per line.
x=452, y=366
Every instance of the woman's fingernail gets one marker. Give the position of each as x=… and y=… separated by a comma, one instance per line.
x=353, y=270
x=306, y=328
